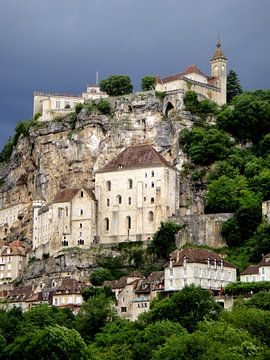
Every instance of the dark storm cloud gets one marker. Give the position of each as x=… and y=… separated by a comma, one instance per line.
x=57, y=45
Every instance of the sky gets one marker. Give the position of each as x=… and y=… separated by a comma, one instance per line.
x=58, y=45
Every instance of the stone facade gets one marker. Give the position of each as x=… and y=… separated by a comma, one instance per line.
x=12, y=261
x=69, y=221
x=211, y=87
x=9, y=217
x=51, y=105
x=199, y=267
x=135, y=192
x=266, y=211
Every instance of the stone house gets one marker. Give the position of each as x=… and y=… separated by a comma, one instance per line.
x=12, y=261
x=212, y=87
x=200, y=267
x=134, y=293
x=68, y=222
x=135, y=192
x=51, y=105
x=259, y=272
x=68, y=294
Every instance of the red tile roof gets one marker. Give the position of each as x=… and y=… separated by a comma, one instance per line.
x=135, y=157
x=68, y=194
x=188, y=70
x=194, y=255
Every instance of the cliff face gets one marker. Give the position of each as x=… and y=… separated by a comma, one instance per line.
x=57, y=156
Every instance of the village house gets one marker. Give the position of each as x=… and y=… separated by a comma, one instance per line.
x=135, y=192
x=68, y=222
x=259, y=272
x=12, y=261
x=52, y=105
x=200, y=267
x=134, y=293
x=211, y=87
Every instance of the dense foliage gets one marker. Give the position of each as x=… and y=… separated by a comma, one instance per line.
x=203, y=108
x=148, y=82
x=116, y=85
x=187, y=325
x=233, y=86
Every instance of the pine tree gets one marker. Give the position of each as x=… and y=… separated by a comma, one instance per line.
x=233, y=85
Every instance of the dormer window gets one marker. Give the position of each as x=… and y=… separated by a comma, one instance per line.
x=120, y=166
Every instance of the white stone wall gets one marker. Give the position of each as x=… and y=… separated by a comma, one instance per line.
x=11, y=265
x=152, y=199
x=263, y=275
x=9, y=215
x=198, y=274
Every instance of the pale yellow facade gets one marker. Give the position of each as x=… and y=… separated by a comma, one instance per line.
x=12, y=262
x=133, y=202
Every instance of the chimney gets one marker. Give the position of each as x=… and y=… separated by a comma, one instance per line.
x=185, y=261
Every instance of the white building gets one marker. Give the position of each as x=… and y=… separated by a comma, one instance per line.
x=211, y=87
x=135, y=192
x=259, y=272
x=68, y=222
x=12, y=261
x=9, y=217
x=51, y=105
x=199, y=267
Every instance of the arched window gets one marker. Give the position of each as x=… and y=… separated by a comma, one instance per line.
x=152, y=200
x=107, y=224
x=152, y=173
x=80, y=225
x=108, y=202
x=152, y=184
x=151, y=216
x=108, y=185
x=130, y=183
x=129, y=200
x=128, y=222
x=81, y=193
x=119, y=199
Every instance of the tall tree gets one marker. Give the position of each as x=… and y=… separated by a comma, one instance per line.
x=148, y=82
x=233, y=85
x=116, y=85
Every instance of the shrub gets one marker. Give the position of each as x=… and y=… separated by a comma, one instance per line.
x=104, y=107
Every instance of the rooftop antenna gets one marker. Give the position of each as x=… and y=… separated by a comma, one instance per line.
x=97, y=78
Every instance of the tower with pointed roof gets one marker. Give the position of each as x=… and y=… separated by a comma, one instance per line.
x=218, y=70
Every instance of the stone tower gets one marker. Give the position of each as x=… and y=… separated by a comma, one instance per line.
x=218, y=69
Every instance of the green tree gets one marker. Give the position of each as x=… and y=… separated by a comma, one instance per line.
x=52, y=342
x=104, y=107
x=260, y=300
x=9, y=323
x=260, y=242
x=188, y=307
x=248, y=116
x=148, y=82
x=116, y=85
x=98, y=276
x=233, y=85
x=94, y=314
x=163, y=242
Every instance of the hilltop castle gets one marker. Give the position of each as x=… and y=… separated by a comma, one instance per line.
x=212, y=87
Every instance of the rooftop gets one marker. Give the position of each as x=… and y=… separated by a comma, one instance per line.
x=135, y=157
x=68, y=194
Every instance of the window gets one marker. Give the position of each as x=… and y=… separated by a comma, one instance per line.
x=66, y=211
x=123, y=309
x=144, y=199
x=80, y=242
x=152, y=200
x=80, y=225
x=119, y=199
x=130, y=183
x=107, y=224
x=262, y=270
x=145, y=175
x=81, y=212
x=145, y=185
x=57, y=104
x=80, y=234
x=81, y=193
x=152, y=173
x=152, y=184
x=108, y=202
x=108, y=185
x=150, y=216
x=129, y=200
x=128, y=222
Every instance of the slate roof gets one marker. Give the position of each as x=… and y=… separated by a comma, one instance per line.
x=70, y=286
x=136, y=157
x=68, y=194
x=251, y=270
x=194, y=255
x=218, y=52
